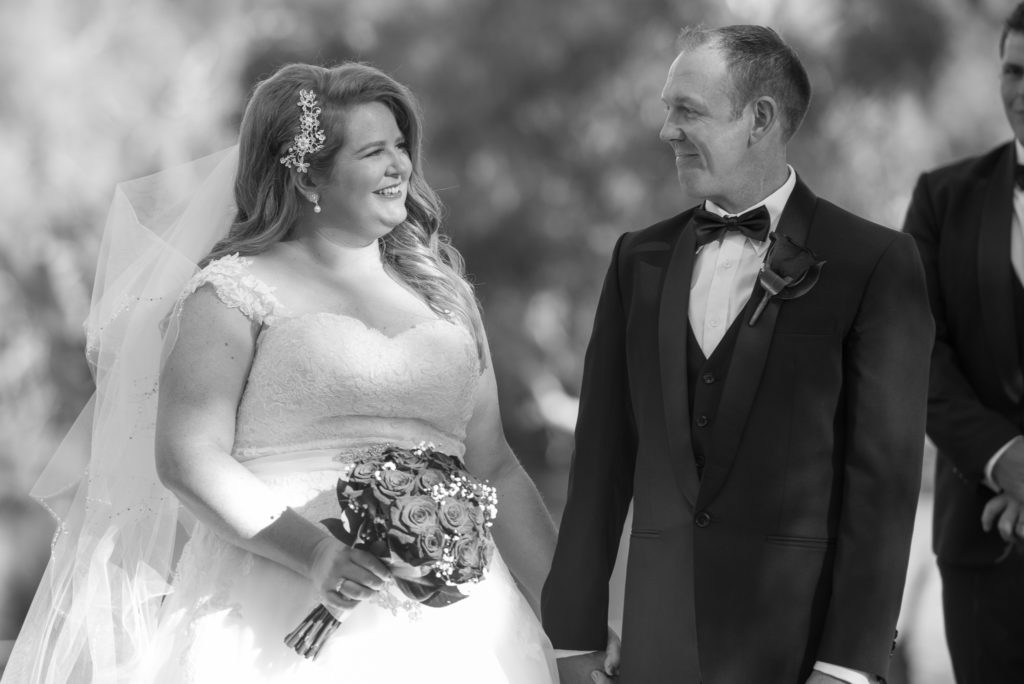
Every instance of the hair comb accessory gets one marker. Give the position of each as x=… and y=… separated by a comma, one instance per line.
x=310, y=139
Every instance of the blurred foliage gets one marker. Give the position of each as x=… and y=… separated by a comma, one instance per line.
x=542, y=122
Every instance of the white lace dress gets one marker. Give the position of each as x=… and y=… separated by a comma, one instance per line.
x=323, y=388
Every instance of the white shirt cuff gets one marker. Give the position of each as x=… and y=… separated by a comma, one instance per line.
x=568, y=653
x=844, y=673
x=991, y=465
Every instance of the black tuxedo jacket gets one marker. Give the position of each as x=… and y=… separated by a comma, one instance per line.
x=793, y=545
x=961, y=218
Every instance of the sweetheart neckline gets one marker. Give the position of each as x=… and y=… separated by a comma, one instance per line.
x=282, y=320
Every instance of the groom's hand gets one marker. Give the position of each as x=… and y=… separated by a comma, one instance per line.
x=587, y=668
x=600, y=667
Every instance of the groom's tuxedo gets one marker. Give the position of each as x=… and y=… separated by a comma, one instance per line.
x=774, y=483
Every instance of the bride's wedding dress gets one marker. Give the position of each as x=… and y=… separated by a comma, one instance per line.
x=323, y=389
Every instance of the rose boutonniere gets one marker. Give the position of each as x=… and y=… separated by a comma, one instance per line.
x=789, y=271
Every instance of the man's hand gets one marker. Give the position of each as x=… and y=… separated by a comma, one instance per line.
x=597, y=667
x=1009, y=470
x=1007, y=515
x=586, y=668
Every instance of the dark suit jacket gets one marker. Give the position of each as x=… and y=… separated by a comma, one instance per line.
x=960, y=216
x=794, y=544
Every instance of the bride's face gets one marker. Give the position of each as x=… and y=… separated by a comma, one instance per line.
x=365, y=194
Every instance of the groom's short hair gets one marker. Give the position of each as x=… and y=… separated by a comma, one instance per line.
x=1014, y=23
x=760, y=63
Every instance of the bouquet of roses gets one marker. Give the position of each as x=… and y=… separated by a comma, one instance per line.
x=419, y=511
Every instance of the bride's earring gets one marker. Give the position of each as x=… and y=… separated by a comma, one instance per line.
x=314, y=197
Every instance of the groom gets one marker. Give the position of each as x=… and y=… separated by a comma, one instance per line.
x=771, y=445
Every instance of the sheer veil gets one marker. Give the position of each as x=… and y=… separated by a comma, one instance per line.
x=118, y=528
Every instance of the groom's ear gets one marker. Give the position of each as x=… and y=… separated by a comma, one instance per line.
x=766, y=118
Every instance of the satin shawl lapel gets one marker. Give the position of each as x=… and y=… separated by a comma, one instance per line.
x=749, y=357
x=994, y=198
x=672, y=322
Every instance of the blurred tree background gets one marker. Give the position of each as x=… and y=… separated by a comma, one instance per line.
x=542, y=122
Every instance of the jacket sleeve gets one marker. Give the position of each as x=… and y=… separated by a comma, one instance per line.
x=962, y=428
x=575, y=596
x=885, y=377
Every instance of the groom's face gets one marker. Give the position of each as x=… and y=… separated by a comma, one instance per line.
x=1011, y=82
x=710, y=140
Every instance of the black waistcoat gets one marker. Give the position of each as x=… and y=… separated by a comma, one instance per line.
x=705, y=378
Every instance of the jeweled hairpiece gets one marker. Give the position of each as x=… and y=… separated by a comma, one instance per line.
x=310, y=138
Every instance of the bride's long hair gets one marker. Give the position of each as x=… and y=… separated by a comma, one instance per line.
x=269, y=200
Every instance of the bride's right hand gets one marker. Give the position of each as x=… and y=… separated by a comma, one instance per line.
x=344, y=576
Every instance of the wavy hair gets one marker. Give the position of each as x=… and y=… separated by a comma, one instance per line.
x=268, y=198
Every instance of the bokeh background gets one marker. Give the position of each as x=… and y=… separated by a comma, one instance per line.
x=542, y=123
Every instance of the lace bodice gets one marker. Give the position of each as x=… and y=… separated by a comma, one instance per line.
x=325, y=380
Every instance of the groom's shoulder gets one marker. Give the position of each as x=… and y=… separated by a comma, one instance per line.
x=842, y=236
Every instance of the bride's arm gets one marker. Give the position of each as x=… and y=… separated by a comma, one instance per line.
x=523, y=530
x=200, y=388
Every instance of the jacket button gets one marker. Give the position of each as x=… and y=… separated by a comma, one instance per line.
x=699, y=460
x=702, y=421
x=709, y=378
x=703, y=519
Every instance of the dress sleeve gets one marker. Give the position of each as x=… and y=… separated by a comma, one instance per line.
x=236, y=287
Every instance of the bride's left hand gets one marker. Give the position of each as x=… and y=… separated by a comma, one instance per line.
x=1008, y=516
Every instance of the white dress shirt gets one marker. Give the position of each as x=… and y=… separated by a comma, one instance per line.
x=1017, y=259
x=724, y=275
x=725, y=272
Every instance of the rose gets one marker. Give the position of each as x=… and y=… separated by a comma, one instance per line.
x=789, y=271
x=392, y=484
x=476, y=515
x=430, y=546
x=427, y=479
x=363, y=472
x=472, y=556
x=412, y=516
x=455, y=516
x=445, y=462
x=468, y=552
x=412, y=459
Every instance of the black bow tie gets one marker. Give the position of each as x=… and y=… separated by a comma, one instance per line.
x=709, y=227
x=1018, y=176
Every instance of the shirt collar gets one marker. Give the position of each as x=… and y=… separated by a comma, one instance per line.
x=776, y=202
x=1018, y=147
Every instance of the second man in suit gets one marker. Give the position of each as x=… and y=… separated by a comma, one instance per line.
x=968, y=220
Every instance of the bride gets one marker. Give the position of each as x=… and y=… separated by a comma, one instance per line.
x=331, y=320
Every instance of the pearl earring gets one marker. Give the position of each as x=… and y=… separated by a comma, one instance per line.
x=315, y=199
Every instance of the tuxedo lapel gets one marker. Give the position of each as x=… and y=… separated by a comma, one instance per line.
x=995, y=201
x=672, y=324
x=749, y=357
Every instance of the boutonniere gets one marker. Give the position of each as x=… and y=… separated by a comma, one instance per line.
x=789, y=270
